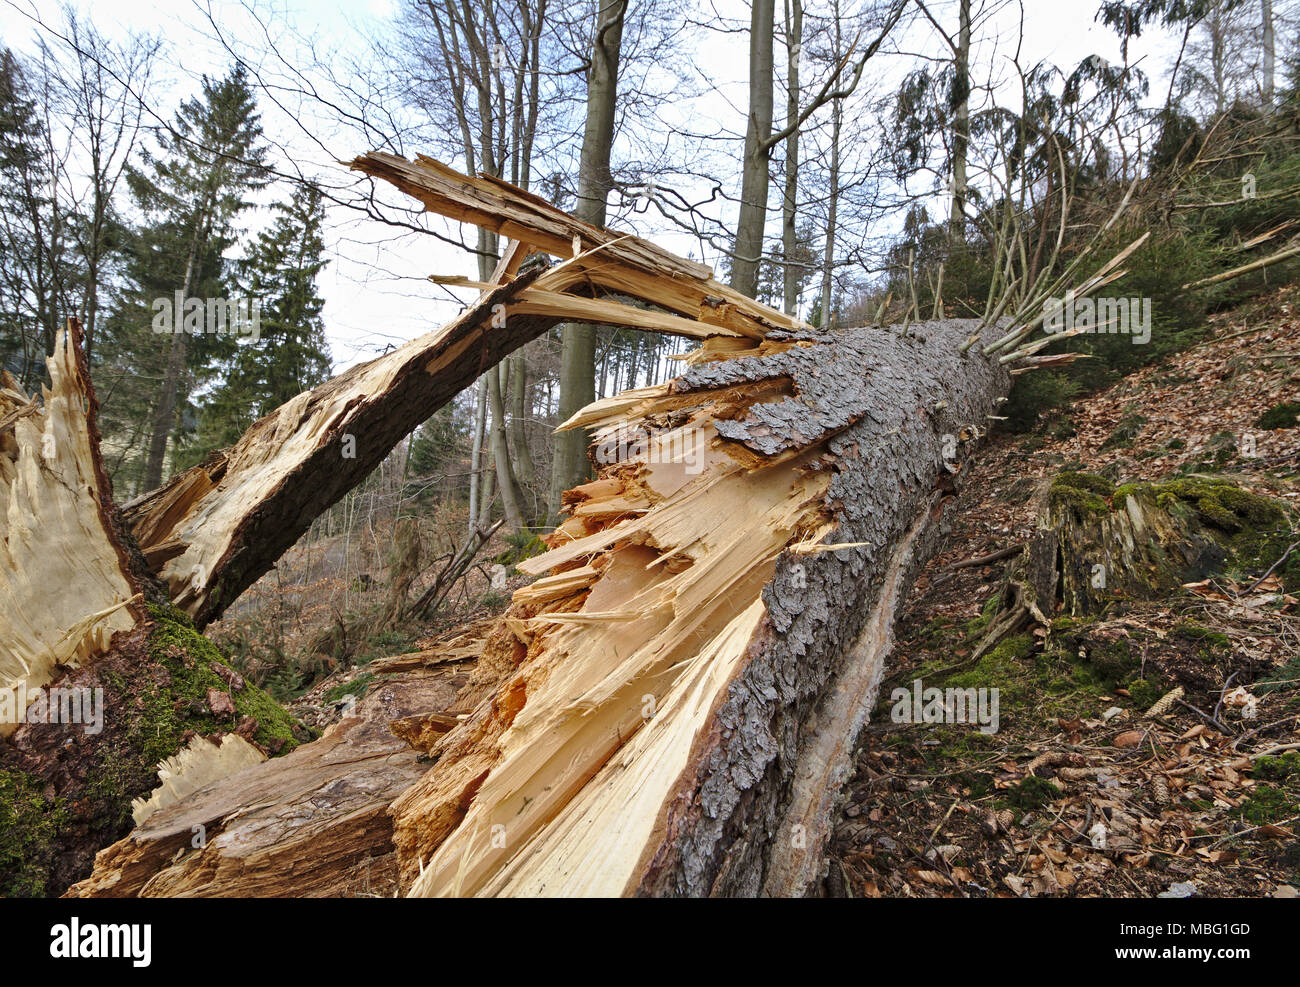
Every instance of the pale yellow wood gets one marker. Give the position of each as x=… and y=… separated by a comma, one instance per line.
x=64, y=590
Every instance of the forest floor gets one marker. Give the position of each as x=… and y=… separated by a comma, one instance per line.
x=1080, y=792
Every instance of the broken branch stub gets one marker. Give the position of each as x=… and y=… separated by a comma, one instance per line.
x=213, y=530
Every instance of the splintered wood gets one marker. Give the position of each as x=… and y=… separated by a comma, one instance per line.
x=213, y=530
x=665, y=558
x=64, y=587
x=594, y=260
x=685, y=634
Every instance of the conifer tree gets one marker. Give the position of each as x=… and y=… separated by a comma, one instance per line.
x=207, y=166
x=289, y=354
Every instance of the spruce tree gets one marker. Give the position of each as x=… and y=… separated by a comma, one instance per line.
x=207, y=166
x=37, y=263
x=290, y=354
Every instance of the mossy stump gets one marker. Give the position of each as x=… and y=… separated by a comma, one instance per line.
x=66, y=791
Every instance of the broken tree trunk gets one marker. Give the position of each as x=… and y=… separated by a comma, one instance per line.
x=101, y=683
x=311, y=824
x=688, y=682
x=671, y=710
x=66, y=586
x=213, y=530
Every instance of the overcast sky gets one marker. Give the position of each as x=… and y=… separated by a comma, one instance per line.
x=375, y=287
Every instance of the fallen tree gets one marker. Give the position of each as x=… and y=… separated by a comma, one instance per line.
x=672, y=708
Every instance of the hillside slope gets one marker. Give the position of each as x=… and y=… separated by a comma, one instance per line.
x=1080, y=792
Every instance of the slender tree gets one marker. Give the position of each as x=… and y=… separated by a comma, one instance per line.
x=289, y=354
x=578, y=351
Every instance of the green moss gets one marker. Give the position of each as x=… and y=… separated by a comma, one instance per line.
x=1143, y=693
x=357, y=687
x=1083, y=493
x=1220, y=503
x=1090, y=482
x=191, y=660
x=934, y=633
x=522, y=545
x=1189, y=630
x=1003, y=668
x=1267, y=804
x=976, y=626
x=1031, y=793
x=29, y=824
x=1277, y=768
x=980, y=783
x=1251, y=530
x=1285, y=415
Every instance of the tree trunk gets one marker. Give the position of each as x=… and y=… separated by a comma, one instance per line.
x=501, y=454
x=476, y=451
x=99, y=681
x=519, y=412
x=164, y=416
x=578, y=342
x=671, y=710
x=722, y=651
x=696, y=767
x=754, y=176
x=832, y=212
x=961, y=126
x=790, y=200
x=1266, y=9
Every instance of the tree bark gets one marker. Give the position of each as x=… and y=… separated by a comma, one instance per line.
x=476, y=451
x=754, y=176
x=501, y=454
x=578, y=341
x=671, y=710
x=1266, y=11
x=832, y=203
x=961, y=126
x=790, y=199
x=164, y=416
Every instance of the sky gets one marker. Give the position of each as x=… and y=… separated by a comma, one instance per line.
x=376, y=290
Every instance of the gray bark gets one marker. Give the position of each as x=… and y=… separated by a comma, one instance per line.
x=961, y=125
x=578, y=346
x=1266, y=10
x=751, y=817
x=790, y=201
x=755, y=176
